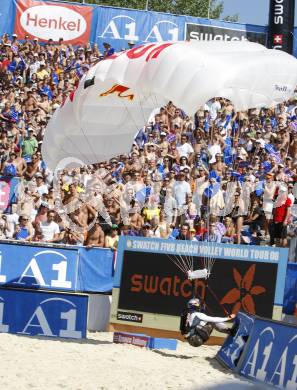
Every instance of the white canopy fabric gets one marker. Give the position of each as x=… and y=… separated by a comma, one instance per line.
x=114, y=100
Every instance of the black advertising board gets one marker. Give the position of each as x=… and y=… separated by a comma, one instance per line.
x=203, y=32
x=281, y=25
x=152, y=283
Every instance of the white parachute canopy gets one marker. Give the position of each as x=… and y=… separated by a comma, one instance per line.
x=114, y=100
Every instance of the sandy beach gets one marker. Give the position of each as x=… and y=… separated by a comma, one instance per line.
x=97, y=363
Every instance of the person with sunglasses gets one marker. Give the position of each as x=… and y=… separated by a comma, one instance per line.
x=24, y=231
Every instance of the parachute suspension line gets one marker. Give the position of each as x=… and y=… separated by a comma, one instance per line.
x=89, y=143
x=132, y=118
x=177, y=263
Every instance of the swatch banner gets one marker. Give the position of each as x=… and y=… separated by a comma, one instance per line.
x=281, y=25
x=233, y=346
x=39, y=313
x=154, y=284
x=46, y=20
x=118, y=26
x=271, y=354
x=203, y=32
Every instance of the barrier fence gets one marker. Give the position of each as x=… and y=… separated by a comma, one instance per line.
x=54, y=267
x=148, y=289
x=263, y=350
x=79, y=24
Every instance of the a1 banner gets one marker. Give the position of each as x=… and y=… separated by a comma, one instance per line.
x=281, y=25
x=270, y=355
x=40, y=313
x=45, y=20
x=234, y=345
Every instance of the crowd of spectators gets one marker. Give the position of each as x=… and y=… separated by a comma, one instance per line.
x=220, y=176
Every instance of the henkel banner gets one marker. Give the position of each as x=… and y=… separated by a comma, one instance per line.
x=281, y=25
x=119, y=26
x=45, y=20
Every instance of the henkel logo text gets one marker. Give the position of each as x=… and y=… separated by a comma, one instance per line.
x=55, y=21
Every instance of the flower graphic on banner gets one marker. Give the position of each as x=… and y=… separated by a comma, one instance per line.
x=242, y=295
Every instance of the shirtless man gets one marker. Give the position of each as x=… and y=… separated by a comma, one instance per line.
x=135, y=219
x=21, y=165
x=44, y=105
x=113, y=210
x=30, y=102
x=95, y=236
x=164, y=117
x=32, y=168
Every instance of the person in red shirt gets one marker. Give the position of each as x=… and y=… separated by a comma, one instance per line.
x=281, y=213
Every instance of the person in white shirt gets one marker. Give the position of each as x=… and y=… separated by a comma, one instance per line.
x=41, y=188
x=49, y=230
x=185, y=149
x=180, y=190
x=214, y=108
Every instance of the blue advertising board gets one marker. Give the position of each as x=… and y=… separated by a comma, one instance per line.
x=290, y=299
x=95, y=270
x=118, y=26
x=38, y=267
x=233, y=346
x=270, y=355
x=7, y=16
x=56, y=268
x=40, y=313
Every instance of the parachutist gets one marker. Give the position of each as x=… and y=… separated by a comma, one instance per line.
x=197, y=327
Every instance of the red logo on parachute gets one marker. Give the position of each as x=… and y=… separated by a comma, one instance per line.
x=119, y=90
x=152, y=51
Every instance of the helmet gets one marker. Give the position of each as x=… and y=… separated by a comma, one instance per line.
x=194, y=304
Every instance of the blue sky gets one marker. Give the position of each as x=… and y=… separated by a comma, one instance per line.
x=250, y=11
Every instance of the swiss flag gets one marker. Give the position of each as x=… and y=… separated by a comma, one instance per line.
x=278, y=39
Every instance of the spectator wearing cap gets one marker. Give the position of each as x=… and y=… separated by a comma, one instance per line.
x=163, y=144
